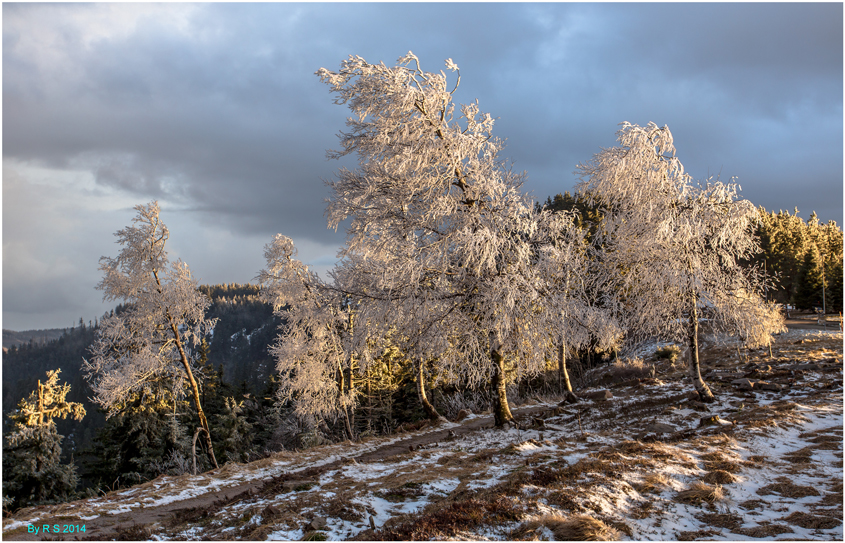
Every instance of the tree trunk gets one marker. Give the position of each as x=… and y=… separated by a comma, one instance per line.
x=694, y=367
x=429, y=409
x=501, y=411
x=195, y=389
x=350, y=386
x=340, y=390
x=563, y=374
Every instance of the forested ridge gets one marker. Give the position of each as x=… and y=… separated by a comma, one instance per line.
x=236, y=365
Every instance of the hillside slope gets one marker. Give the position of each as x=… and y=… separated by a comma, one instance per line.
x=648, y=463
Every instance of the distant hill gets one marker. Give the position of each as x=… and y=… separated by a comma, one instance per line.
x=245, y=329
x=38, y=337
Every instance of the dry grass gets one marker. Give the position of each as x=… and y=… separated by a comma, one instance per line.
x=720, y=477
x=788, y=490
x=697, y=535
x=824, y=438
x=751, y=505
x=765, y=530
x=700, y=492
x=721, y=520
x=658, y=451
x=832, y=500
x=653, y=482
x=564, y=500
x=629, y=368
x=574, y=528
x=779, y=413
x=730, y=467
x=442, y=521
x=801, y=456
x=811, y=522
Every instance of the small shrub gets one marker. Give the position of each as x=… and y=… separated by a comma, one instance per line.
x=669, y=352
x=630, y=368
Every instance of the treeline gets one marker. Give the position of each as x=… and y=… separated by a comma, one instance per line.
x=802, y=257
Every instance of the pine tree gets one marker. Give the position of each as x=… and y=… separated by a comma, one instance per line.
x=145, y=438
x=32, y=472
x=233, y=433
x=809, y=291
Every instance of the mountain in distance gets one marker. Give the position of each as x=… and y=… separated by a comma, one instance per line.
x=37, y=337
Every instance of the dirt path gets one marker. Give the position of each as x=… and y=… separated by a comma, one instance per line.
x=810, y=324
x=131, y=525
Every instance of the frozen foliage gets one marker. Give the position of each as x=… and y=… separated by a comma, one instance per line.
x=443, y=249
x=672, y=250
x=150, y=342
x=313, y=350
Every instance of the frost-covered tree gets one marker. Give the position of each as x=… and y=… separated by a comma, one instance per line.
x=674, y=251
x=155, y=339
x=443, y=248
x=32, y=471
x=314, y=350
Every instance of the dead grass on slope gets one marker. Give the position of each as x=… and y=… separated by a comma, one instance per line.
x=764, y=530
x=721, y=520
x=778, y=413
x=787, y=489
x=574, y=528
x=653, y=483
x=811, y=522
x=720, y=477
x=700, y=492
x=658, y=451
x=439, y=520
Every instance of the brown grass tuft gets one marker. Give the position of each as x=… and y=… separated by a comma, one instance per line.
x=653, y=482
x=448, y=520
x=697, y=535
x=719, y=476
x=766, y=530
x=812, y=522
x=788, y=490
x=700, y=492
x=730, y=467
x=721, y=520
x=574, y=528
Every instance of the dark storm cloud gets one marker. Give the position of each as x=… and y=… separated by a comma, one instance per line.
x=215, y=109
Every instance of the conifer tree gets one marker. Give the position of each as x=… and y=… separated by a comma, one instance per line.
x=809, y=291
x=32, y=472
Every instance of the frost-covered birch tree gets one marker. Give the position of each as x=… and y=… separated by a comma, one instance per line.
x=314, y=350
x=156, y=337
x=442, y=242
x=673, y=250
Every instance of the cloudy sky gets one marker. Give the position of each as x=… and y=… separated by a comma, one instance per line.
x=214, y=110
